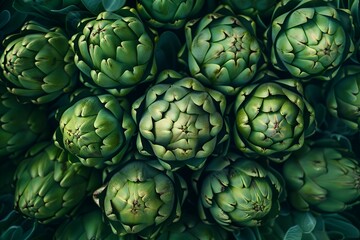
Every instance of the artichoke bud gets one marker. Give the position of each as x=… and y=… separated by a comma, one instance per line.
x=141, y=199
x=114, y=51
x=168, y=14
x=180, y=121
x=343, y=100
x=38, y=63
x=310, y=39
x=19, y=133
x=222, y=50
x=48, y=186
x=239, y=193
x=97, y=129
x=323, y=176
x=272, y=118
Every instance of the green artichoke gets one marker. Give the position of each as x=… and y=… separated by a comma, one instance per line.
x=180, y=121
x=141, y=198
x=48, y=186
x=38, y=63
x=343, y=96
x=18, y=133
x=310, y=39
x=14, y=226
x=237, y=192
x=114, y=51
x=323, y=176
x=168, y=14
x=97, y=129
x=222, y=50
x=272, y=118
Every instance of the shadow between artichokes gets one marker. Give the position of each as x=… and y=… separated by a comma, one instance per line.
x=168, y=14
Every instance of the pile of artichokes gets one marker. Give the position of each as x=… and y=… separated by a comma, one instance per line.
x=166, y=120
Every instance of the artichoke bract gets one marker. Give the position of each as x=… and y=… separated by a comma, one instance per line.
x=180, y=121
x=19, y=133
x=96, y=129
x=48, y=186
x=323, y=176
x=141, y=198
x=237, y=192
x=272, y=118
x=343, y=97
x=13, y=225
x=310, y=39
x=222, y=50
x=114, y=51
x=168, y=14
x=38, y=63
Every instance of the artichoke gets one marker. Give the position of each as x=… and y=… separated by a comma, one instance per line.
x=38, y=63
x=222, y=50
x=323, y=176
x=141, y=198
x=343, y=97
x=18, y=133
x=48, y=186
x=237, y=192
x=272, y=118
x=14, y=226
x=168, y=14
x=180, y=121
x=97, y=129
x=114, y=51
x=310, y=39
